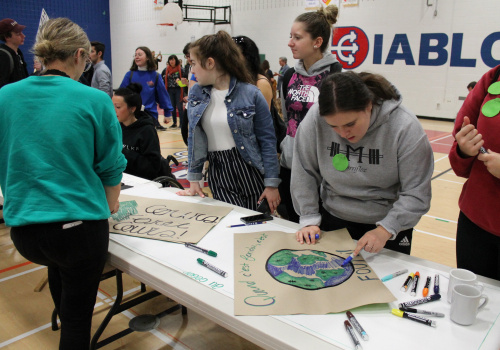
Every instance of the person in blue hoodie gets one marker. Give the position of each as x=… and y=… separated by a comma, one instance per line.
x=141, y=145
x=143, y=71
x=369, y=161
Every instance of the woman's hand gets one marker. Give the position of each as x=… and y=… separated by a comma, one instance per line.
x=115, y=208
x=307, y=234
x=193, y=190
x=468, y=138
x=492, y=162
x=373, y=241
x=273, y=197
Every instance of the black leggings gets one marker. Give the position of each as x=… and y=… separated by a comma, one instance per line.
x=75, y=258
x=477, y=250
x=285, y=194
x=401, y=244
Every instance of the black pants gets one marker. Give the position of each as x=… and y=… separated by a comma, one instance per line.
x=286, y=196
x=185, y=126
x=176, y=101
x=401, y=244
x=477, y=250
x=75, y=259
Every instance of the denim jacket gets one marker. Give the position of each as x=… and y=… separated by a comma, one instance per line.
x=251, y=123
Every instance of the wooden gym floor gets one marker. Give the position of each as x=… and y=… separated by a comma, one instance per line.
x=25, y=314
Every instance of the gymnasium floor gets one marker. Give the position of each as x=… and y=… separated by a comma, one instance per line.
x=25, y=314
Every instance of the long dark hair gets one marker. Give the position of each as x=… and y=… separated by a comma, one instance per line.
x=132, y=96
x=251, y=53
x=228, y=58
x=177, y=62
x=350, y=91
x=150, y=63
x=319, y=23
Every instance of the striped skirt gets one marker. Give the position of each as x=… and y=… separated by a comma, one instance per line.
x=233, y=181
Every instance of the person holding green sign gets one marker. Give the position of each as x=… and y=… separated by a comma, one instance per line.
x=474, y=156
x=368, y=160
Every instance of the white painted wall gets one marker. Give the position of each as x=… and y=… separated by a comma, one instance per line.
x=427, y=90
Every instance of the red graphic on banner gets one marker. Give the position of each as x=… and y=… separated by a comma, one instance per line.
x=350, y=45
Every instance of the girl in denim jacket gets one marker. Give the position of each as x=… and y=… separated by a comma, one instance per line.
x=231, y=126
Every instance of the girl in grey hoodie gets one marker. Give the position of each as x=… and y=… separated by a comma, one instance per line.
x=369, y=160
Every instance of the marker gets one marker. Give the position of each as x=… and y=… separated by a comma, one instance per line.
x=250, y=223
x=348, y=260
x=427, y=285
x=408, y=282
x=356, y=325
x=315, y=236
x=212, y=267
x=423, y=312
x=483, y=150
x=201, y=250
x=433, y=297
x=436, y=284
x=350, y=331
x=415, y=284
x=415, y=318
x=395, y=274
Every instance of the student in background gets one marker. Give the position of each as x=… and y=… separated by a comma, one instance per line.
x=471, y=85
x=230, y=123
x=12, y=64
x=64, y=174
x=309, y=40
x=173, y=75
x=143, y=71
x=478, y=230
x=369, y=161
x=283, y=68
x=188, y=79
x=141, y=146
x=101, y=79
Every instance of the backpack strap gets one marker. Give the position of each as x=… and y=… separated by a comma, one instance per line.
x=286, y=81
x=11, y=60
x=130, y=77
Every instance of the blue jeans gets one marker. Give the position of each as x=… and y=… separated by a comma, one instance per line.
x=175, y=99
x=75, y=258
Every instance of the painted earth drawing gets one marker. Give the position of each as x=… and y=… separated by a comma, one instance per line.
x=308, y=269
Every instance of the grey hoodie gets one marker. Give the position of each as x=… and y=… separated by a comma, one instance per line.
x=387, y=182
x=302, y=94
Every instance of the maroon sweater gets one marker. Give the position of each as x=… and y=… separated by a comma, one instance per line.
x=480, y=197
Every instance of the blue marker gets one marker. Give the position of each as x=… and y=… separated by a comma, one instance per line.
x=348, y=260
x=316, y=236
x=392, y=275
x=436, y=284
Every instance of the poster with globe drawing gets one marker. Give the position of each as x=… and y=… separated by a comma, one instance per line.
x=276, y=275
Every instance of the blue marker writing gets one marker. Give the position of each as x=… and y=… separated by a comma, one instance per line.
x=392, y=275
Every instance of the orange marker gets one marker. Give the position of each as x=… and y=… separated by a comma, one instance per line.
x=427, y=285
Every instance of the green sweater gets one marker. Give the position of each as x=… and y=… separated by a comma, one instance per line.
x=60, y=144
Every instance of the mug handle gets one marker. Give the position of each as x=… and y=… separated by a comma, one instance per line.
x=485, y=297
x=480, y=286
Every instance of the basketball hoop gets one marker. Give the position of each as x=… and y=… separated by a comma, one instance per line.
x=163, y=28
x=170, y=15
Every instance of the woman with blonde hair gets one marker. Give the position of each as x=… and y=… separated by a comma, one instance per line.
x=309, y=40
x=64, y=174
x=230, y=123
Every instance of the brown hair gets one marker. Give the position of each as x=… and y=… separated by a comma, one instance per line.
x=58, y=39
x=226, y=54
x=349, y=91
x=150, y=63
x=319, y=23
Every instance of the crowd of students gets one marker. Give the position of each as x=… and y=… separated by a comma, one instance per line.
x=353, y=157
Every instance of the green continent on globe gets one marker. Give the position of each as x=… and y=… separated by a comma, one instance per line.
x=323, y=254
x=302, y=282
x=310, y=259
x=282, y=258
x=325, y=275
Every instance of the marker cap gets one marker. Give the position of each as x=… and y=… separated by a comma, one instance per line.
x=397, y=312
x=212, y=253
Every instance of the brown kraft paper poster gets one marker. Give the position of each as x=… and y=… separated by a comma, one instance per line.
x=165, y=220
x=276, y=275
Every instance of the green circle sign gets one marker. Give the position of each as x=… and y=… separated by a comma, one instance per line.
x=491, y=108
x=340, y=162
x=494, y=88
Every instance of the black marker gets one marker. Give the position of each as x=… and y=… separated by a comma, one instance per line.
x=407, y=283
x=408, y=304
x=415, y=284
x=436, y=284
x=415, y=318
x=350, y=331
x=423, y=312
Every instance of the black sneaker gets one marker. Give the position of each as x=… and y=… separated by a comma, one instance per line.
x=161, y=128
x=173, y=126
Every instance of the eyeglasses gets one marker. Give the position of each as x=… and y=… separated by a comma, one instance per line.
x=88, y=64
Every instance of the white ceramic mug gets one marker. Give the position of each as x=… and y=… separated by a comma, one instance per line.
x=465, y=304
x=462, y=276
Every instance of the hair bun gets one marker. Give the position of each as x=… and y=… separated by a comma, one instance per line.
x=331, y=13
x=135, y=87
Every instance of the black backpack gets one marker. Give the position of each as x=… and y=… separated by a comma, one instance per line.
x=279, y=125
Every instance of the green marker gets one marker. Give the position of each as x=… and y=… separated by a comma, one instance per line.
x=201, y=250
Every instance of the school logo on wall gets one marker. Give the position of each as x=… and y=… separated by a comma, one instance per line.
x=350, y=45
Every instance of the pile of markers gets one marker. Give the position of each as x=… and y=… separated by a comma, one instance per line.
x=406, y=309
x=349, y=323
